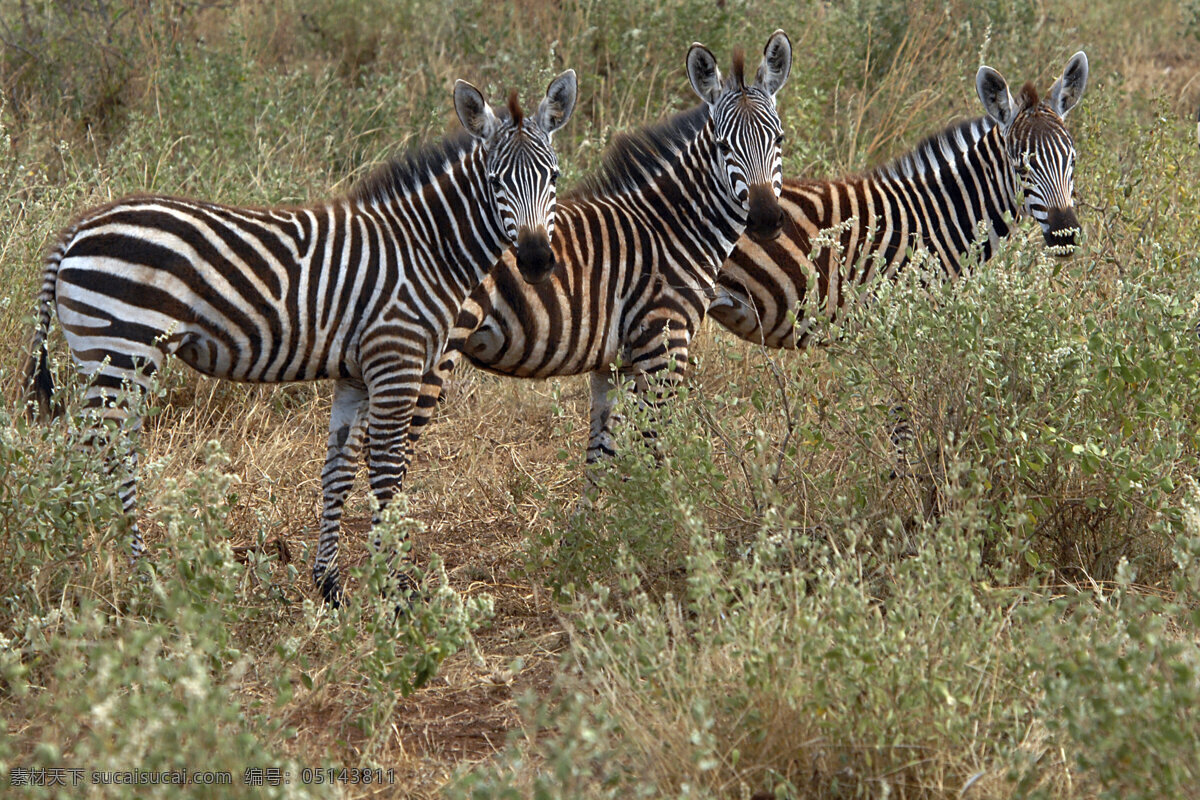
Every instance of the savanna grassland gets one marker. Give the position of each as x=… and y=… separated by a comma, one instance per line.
x=764, y=613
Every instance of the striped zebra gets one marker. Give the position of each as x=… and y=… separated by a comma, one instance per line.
x=362, y=290
x=638, y=248
x=979, y=175
x=936, y=199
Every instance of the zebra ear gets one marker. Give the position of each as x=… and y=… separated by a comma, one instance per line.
x=1067, y=90
x=776, y=64
x=556, y=107
x=993, y=93
x=703, y=73
x=473, y=111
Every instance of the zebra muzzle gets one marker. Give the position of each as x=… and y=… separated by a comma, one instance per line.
x=535, y=258
x=1061, y=231
x=765, y=220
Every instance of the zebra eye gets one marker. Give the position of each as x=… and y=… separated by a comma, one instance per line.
x=494, y=181
x=554, y=176
x=723, y=145
x=779, y=140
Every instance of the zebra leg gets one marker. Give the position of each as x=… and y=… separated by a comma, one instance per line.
x=600, y=438
x=656, y=353
x=391, y=405
x=900, y=434
x=601, y=446
x=122, y=469
x=427, y=398
x=127, y=491
x=115, y=395
x=663, y=357
x=346, y=424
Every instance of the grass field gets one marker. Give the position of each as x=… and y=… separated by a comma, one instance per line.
x=763, y=614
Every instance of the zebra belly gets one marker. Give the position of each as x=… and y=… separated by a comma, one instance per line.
x=499, y=349
x=543, y=330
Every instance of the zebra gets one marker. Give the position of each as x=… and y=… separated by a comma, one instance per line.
x=936, y=199
x=362, y=290
x=638, y=249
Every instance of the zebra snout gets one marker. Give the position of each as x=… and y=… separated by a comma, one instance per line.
x=535, y=258
x=1061, y=231
x=766, y=216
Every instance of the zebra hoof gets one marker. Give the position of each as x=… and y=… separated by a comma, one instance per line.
x=330, y=587
x=405, y=591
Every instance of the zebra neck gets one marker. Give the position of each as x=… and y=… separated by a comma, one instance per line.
x=704, y=214
x=480, y=244
x=989, y=158
x=964, y=172
x=450, y=216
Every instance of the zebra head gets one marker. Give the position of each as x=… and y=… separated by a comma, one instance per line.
x=521, y=166
x=1039, y=147
x=747, y=130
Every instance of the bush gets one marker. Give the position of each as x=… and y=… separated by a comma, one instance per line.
x=859, y=674
x=155, y=667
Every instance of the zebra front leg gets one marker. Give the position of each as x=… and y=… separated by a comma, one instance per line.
x=346, y=425
x=600, y=437
x=659, y=368
x=388, y=453
x=432, y=385
x=601, y=446
x=902, y=438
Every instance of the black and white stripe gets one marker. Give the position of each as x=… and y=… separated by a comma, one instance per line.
x=970, y=178
x=362, y=290
x=638, y=249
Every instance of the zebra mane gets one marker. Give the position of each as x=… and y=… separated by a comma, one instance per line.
x=633, y=159
x=738, y=79
x=956, y=138
x=413, y=169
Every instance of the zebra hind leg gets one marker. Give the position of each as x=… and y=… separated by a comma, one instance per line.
x=346, y=428
x=116, y=399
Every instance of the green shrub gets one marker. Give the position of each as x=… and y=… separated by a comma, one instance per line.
x=391, y=643
x=860, y=674
x=154, y=665
x=143, y=674
x=637, y=509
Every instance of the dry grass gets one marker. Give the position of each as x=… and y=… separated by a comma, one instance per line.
x=472, y=484
x=489, y=469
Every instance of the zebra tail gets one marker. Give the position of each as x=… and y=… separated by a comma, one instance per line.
x=39, y=384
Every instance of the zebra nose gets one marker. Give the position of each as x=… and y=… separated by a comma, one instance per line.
x=535, y=258
x=766, y=217
x=1061, y=231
